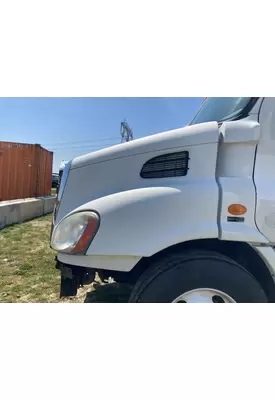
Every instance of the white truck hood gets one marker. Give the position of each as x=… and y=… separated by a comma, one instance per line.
x=117, y=169
x=190, y=135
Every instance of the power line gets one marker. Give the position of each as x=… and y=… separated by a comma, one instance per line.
x=81, y=147
x=125, y=131
x=78, y=141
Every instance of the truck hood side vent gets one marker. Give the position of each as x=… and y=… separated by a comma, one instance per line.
x=166, y=166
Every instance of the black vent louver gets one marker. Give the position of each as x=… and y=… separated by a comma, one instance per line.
x=166, y=166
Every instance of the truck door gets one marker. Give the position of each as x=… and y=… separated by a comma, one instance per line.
x=264, y=171
x=235, y=178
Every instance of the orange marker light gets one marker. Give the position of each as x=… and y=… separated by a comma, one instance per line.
x=86, y=236
x=237, y=209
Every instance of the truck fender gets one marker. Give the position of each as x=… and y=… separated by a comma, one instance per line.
x=144, y=221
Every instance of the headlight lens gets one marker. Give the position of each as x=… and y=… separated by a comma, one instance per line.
x=75, y=232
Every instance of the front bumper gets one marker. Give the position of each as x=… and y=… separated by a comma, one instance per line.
x=76, y=271
x=111, y=263
x=73, y=277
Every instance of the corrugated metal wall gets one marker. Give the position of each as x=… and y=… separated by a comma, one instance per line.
x=25, y=171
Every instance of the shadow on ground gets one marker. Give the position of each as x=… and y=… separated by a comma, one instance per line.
x=109, y=293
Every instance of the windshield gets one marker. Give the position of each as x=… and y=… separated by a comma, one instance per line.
x=223, y=109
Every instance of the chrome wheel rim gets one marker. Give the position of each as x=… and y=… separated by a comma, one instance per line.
x=204, y=295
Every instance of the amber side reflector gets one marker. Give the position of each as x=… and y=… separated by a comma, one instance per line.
x=237, y=209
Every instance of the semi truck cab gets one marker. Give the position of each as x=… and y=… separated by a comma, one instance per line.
x=185, y=216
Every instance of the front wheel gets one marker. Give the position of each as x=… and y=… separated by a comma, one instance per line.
x=197, y=277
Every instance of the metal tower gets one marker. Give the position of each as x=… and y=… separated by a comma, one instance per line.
x=126, y=132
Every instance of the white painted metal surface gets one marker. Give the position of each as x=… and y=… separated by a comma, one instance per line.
x=113, y=263
x=175, y=139
x=233, y=163
x=139, y=217
x=235, y=178
x=264, y=175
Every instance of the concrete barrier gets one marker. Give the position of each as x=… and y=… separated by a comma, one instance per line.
x=49, y=203
x=14, y=211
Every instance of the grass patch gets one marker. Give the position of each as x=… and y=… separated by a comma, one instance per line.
x=28, y=273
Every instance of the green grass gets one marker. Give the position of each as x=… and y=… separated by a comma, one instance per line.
x=27, y=268
x=27, y=272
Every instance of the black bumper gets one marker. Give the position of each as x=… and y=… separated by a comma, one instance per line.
x=73, y=277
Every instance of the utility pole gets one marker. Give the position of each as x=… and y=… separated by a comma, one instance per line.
x=126, y=132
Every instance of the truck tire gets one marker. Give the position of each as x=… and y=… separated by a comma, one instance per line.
x=197, y=277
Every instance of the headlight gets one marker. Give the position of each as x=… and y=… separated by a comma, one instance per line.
x=75, y=232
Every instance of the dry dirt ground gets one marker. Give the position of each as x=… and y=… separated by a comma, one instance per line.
x=28, y=274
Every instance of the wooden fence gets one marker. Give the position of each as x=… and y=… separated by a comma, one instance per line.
x=25, y=171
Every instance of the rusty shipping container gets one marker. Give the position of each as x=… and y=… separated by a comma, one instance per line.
x=25, y=171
